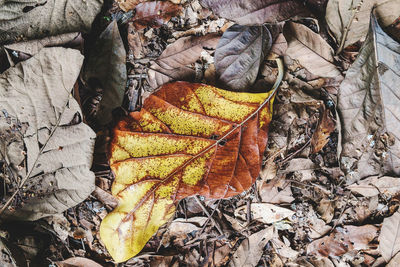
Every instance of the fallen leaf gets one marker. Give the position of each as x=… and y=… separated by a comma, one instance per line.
x=280, y=45
x=349, y=20
x=6, y=256
x=251, y=249
x=256, y=12
x=188, y=139
x=284, y=250
x=326, y=209
x=179, y=229
x=368, y=107
x=343, y=240
x=172, y=64
x=32, y=47
x=22, y=19
x=127, y=5
x=374, y=186
x=239, y=54
x=105, y=68
x=77, y=262
x=276, y=191
x=389, y=238
x=50, y=148
x=154, y=14
x=326, y=125
x=265, y=212
x=395, y=261
x=310, y=49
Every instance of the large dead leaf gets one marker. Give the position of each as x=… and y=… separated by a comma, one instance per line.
x=265, y=212
x=349, y=20
x=343, y=240
x=154, y=14
x=374, y=186
x=188, y=139
x=251, y=249
x=369, y=109
x=310, y=49
x=246, y=12
x=30, y=19
x=239, y=54
x=77, y=262
x=43, y=140
x=172, y=64
x=389, y=238
x=106, y=69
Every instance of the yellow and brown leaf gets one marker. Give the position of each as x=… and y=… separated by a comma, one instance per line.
x=188, y=139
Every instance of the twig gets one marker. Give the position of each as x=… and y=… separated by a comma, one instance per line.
x=209, y=215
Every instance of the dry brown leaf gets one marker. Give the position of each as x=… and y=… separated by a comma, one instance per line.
x=250, y=250
x=127, y=5
x=343, y=240
x=280, y=45
x=49, y=147
x=326, y=208
x=310, y=49
x=349, y=20
x=22, y=20
x=389, y=238
x=375, y=185
x=246, y=12
x=154, y=14
x=77, y=262
x=172, y=63
x=326, y=125
x=395, y=261
x=368, y=107
x=239, y=54
x=283, y=249
x=265, y=212
x=105, y=69
x=32, y=47
x=276, y=191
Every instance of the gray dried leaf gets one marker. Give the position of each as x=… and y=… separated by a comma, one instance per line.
x=239, y=54
x=31, y=19
x=106, y=69
x=251, y=249
x=374, y=186
x=310, y=49
x=246, y=12
x=33, y=46
x=349, y=20
x=389, y=238
x=172, y=63
x=47, y=147
x=369, y=109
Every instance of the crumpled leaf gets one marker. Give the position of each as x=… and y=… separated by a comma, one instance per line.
x=389, y=238
x=251, y=249
x=349, y=20
x=246, y=12
x=106, y=69
x=172, y=63
x=154, y=14
x=30, y=19
x=77, y=262
x=369, y=109
x=32, y=47
x=127, y=5
x=239, y=54
x=343, y=240
x=310, y=49
x=188, y=139
x=374, y=186
x=265, y=212
x=42, y=137
x=326, y=125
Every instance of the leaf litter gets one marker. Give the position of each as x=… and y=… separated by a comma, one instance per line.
x=302, y=175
